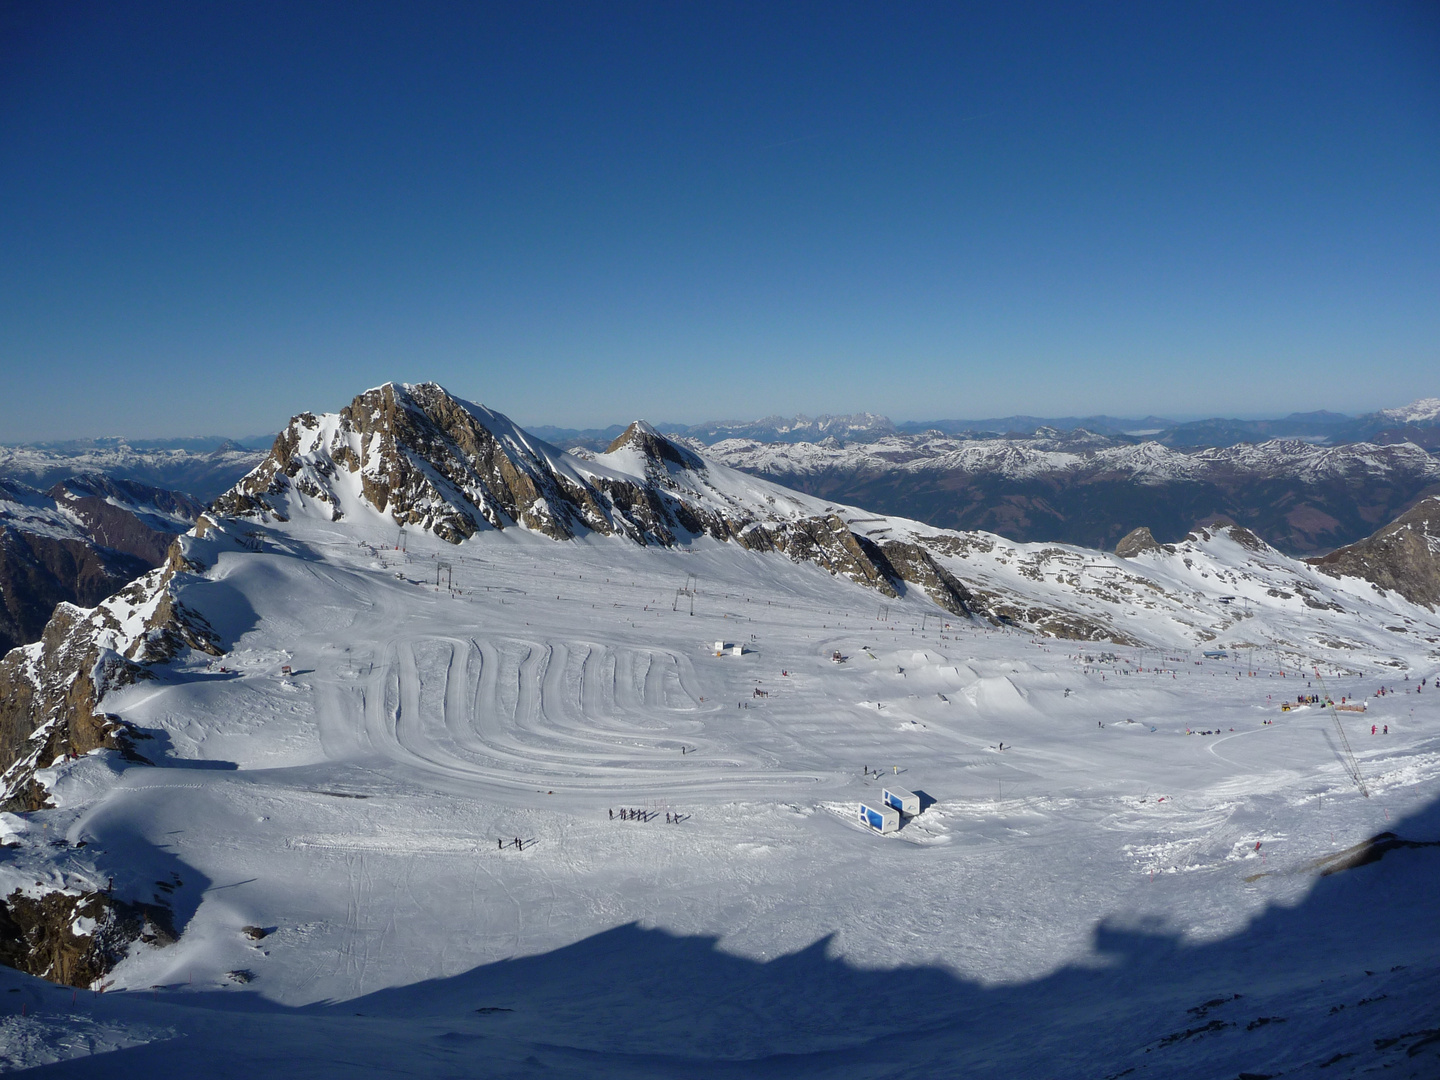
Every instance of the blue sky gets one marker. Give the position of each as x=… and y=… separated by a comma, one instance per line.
x=215, y=215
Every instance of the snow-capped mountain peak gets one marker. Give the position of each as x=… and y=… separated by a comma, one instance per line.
x=1416, y=412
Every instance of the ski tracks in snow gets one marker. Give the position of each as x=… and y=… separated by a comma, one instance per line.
x=508, y=714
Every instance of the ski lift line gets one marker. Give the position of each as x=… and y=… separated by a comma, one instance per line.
x=1351, y=765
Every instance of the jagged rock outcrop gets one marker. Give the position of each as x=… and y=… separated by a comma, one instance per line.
x=1223, y=525
x=1138, y=542
x=912, y=563
x=1403, y=557
x=423, y=459
x=74, y=938
x=50, y=691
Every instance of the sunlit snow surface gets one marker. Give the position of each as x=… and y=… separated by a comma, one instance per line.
x=1066, y=906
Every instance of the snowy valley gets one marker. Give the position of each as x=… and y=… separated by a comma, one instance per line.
x=435, y=750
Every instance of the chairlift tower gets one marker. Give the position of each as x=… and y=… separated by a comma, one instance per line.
x=690, y=588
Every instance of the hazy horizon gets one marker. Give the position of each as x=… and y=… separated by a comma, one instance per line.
x=253, y=440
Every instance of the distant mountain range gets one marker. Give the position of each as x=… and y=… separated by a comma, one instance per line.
x=1320, y=427
x=1089, y=489
x=77, y=543
x=202, y=468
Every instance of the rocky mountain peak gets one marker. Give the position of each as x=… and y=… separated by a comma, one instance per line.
x=415, y=455
x=1138, y=542
x=422, y=457
x=658, y=453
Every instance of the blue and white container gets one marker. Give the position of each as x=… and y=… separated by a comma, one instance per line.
x=882, y=819
x=907, y=802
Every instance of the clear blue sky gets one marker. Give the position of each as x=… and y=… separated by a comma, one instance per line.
x=214, y=215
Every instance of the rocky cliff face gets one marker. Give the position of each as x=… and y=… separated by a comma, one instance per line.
x=1404, y=556
x=74, y=937
x=50, y=691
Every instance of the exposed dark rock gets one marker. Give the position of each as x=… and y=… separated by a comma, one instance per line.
x=50, y=692
x=1404, y=556
x=1138, y=542
x=76, y=938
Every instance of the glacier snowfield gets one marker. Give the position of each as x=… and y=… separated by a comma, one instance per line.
x=1132, y=883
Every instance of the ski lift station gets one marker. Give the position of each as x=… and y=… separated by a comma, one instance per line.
x=897, y=798
x=883, y=819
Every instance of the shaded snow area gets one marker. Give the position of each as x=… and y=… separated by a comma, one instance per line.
x=1118, y=870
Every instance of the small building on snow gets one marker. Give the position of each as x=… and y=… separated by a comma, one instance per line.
x=882, y=819
x=907, y=802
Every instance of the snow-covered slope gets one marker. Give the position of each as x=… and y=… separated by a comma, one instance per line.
x=314, y=870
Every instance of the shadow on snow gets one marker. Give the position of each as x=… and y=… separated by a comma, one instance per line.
x=1345, y=981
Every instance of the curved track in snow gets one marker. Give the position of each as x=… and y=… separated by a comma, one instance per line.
x=571, y=715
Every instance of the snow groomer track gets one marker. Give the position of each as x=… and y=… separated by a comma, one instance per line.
x=577, y=716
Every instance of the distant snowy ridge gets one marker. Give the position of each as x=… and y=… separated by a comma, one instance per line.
x=1415, y=413
x=1081, y=488
x=201, y=474
x=1043, y=456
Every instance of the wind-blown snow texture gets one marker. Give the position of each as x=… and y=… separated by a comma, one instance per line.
x=1131, y=883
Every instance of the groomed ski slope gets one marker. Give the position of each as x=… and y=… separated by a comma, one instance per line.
x=1063, y=907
